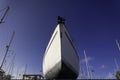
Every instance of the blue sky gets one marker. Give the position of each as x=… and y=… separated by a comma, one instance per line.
x=94, y=25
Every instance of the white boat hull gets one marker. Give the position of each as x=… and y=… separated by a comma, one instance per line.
x=60, y=59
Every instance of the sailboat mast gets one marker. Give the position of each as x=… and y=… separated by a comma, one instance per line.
x=11, y=65
x=25, y=69
x=117, y=67
x=17, y=73
x=118, y=44
x=1, y=21
x=7, y=49
x=87, y=64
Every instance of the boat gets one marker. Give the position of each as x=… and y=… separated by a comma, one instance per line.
x=60, y=60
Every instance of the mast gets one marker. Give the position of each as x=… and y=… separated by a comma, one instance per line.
x=6, y=11
x=17, y=73
x=11, y=65
x=4, y=15
x=7, y=49
x=25, y=69
x=117, y=67
x=118, y=44
x=86, y=60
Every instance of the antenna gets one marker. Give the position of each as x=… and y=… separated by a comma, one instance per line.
x=118, y=44
x=86, y=60
x=7, y=9
x=7, y=49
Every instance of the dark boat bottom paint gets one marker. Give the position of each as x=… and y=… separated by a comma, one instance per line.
x=65, y=73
